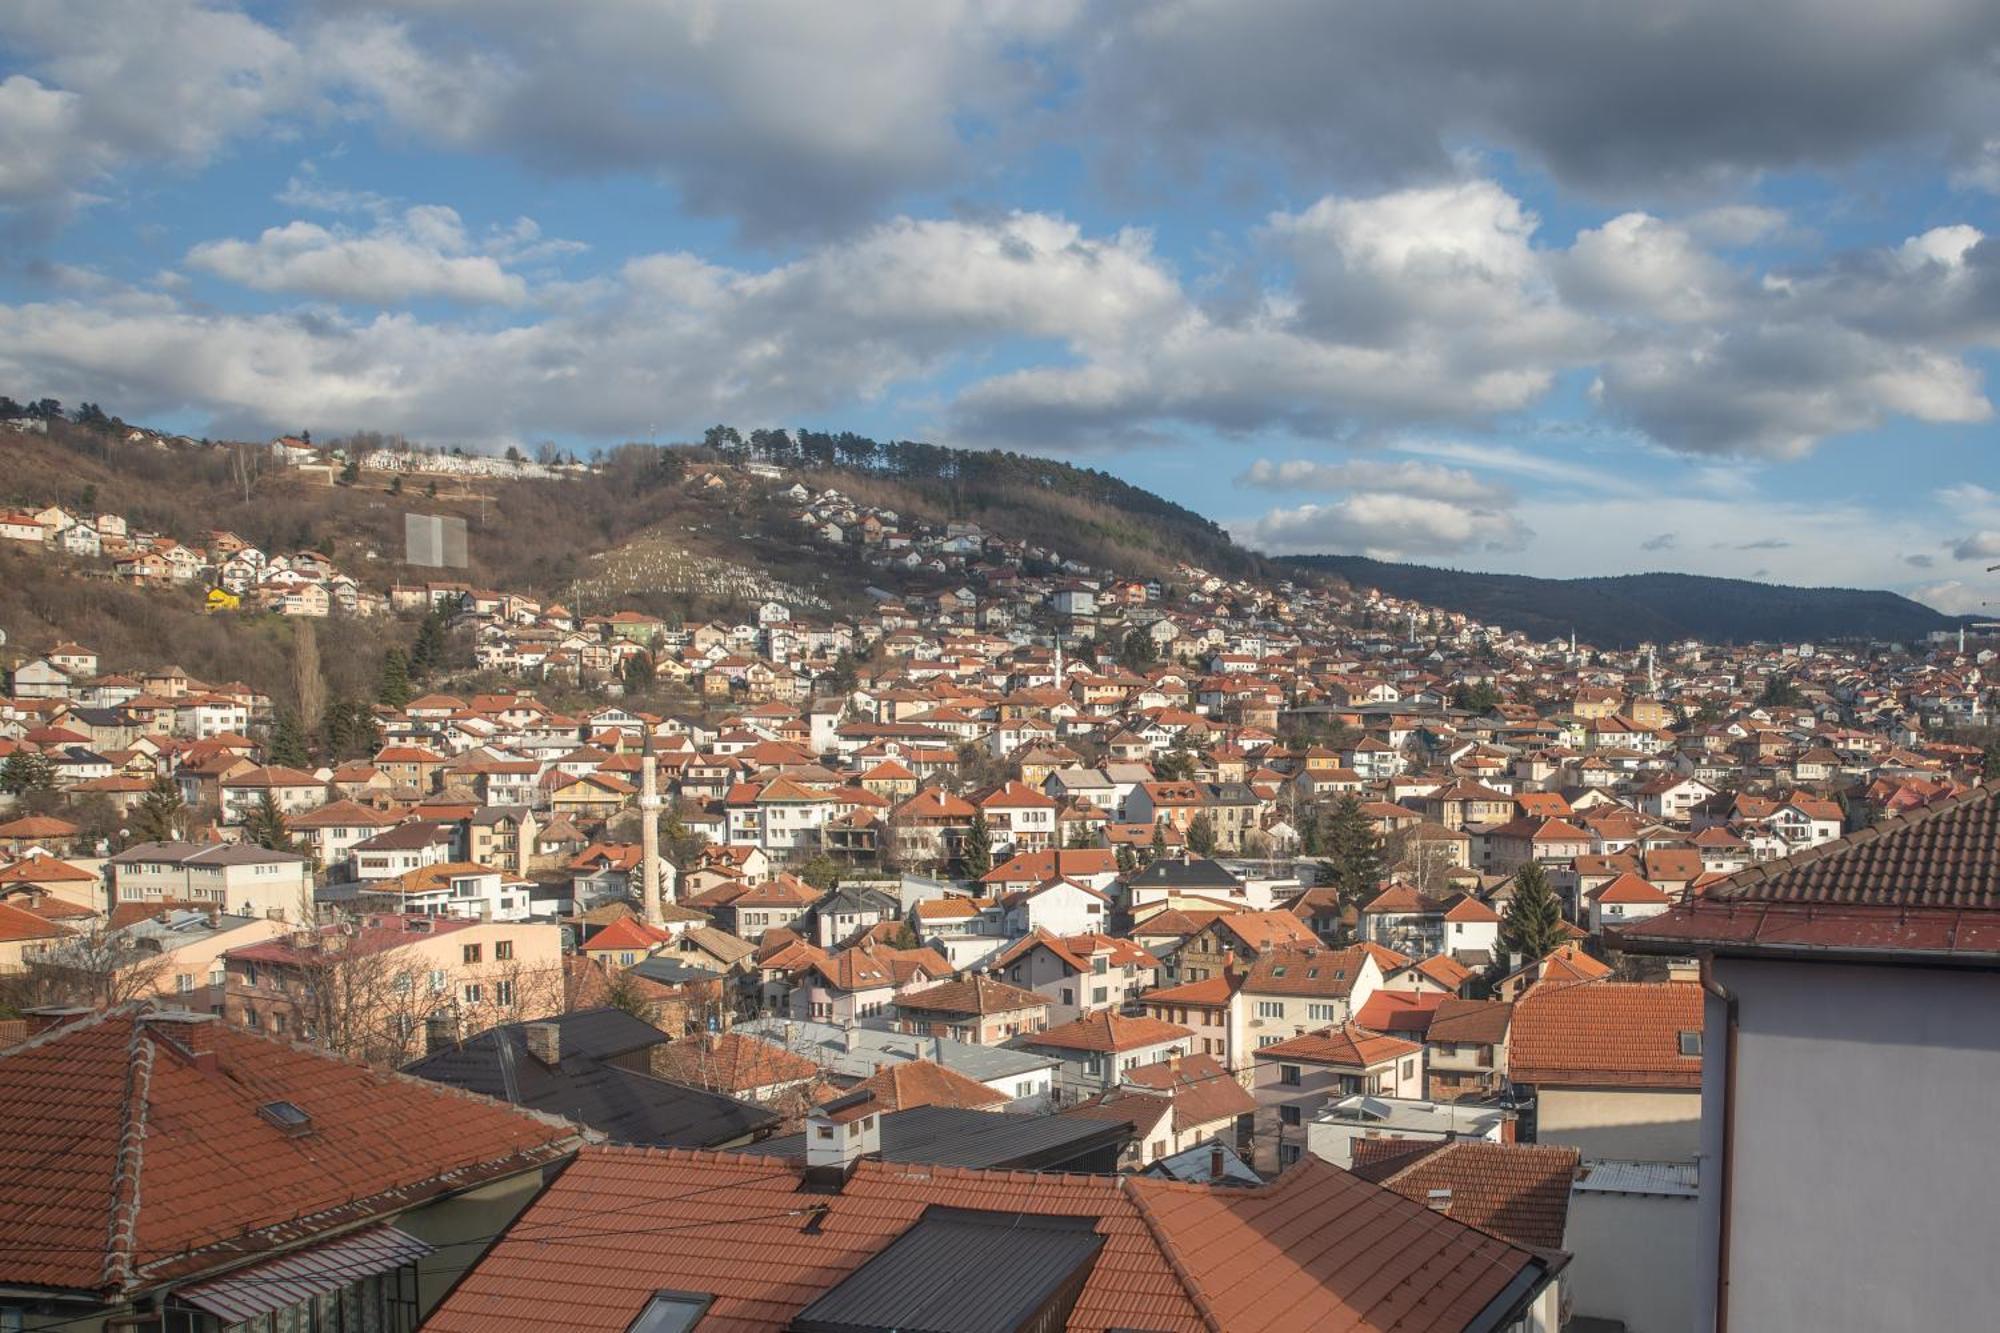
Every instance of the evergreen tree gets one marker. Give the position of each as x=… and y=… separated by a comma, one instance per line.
x=1532, y=926
x=266, y=826
x=427, y=654
x=1989, y=762
x=1136, y=650
x=1128, y=861
x=820, y=872
x=1201, y=835
x=637, y=672
x=1353, y=850
x=976, y=852
x=1158, y=847
x=350, y=472
x=161, y=815
x=348, y=730
x=27, y=772
x=393, y=689
x=288, y=743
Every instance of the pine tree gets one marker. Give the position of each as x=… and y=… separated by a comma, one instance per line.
x=1354, y=851
x=1158, y=847
x=266, y=826
x=26, y=772
x=161, y=815
x=428, y=652
x=393, y=689
x=1532, y=926
x=288, y=743
x=1201, y=835
x=976, y=853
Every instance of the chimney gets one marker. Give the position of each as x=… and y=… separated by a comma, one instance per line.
x=838, y=1135
x=544, y=1042
x=1174, y=1061
x=44, y=1017
x=189, y=1035
x=847, y=1036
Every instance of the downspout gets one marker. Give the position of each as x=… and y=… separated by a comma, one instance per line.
x=1728, y=1162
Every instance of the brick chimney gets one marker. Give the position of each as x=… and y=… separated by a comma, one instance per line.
x=544, y=1041
x=190, y=1036
x=1215, y=1160
x=43, y=1017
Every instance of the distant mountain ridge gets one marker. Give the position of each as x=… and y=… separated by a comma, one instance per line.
x=1620, y=611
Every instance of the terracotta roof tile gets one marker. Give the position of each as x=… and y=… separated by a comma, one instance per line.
x=115, y=1115
x=1318, y=1248
x=1349, y=1046
x=1107, y=1030
x=1606, y=1034
x=1517, y=1191
x=1922, y=883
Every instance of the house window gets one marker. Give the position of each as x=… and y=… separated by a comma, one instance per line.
x=1270, y=1008
x=1410, y=1068
x=1690, y=1043
x=1320, y=1012
x=183, y=983
x=471, y=952
x=1288, y=1075
x=1068, y=994
x=503, y=951
x=503, y=992
x=1288, y=1115
x=1288, y=1154
x=1098, y=995
x=472, y=992
x=439, y=981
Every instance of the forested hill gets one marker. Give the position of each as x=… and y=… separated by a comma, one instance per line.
x=1078, y=510
x=1634, y=608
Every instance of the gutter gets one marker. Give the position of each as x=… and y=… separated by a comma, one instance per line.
x=1728, y=1162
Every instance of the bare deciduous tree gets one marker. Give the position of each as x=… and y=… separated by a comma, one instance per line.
x=96, y=969
x=308, y=680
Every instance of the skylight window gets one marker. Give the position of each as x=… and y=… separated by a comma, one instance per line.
x=671, y=1312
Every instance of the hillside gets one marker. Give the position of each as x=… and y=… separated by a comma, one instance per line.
x=1635, y=608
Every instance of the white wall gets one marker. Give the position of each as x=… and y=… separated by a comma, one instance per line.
x=1633, y=1259
x=1630, y=1125
x=1865, y=1179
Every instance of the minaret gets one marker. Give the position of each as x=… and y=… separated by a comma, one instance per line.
x=649, y=832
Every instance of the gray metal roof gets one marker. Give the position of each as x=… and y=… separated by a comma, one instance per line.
x=302, y=1274
x=827, y=1044
x=947, y=1274
x=1672, y=1179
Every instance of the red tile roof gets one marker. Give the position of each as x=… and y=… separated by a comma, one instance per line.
x=1921, y=884
x=1516, y=1191
x=1203, y=1092
x=1606, y=1034
x=1107, y=1030
x=1318, y=1248
x=977, y=994
x=912, y=1083
x=730, y=1062
x=125, y=1158
x=1349, y=1046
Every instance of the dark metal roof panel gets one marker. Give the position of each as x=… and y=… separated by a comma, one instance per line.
x=960, y=1271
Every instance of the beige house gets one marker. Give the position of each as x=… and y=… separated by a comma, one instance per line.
x=388, y=987
x=1616, y=1066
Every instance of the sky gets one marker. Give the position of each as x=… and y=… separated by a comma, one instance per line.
x=1543, y=286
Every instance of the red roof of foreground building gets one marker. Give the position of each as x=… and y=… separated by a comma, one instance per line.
x=1921, y=885
x=912, y=1083
x=1606, y=1034
x=1107, y=1030
x=1317, y=1248
x=133, y=1150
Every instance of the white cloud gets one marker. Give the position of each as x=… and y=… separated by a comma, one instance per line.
x=114, y=81
x=670, y=336
x=1954, y=598
x=423, y=254
x=1403, y=478
x=1388, y=527
x=1981, y=545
